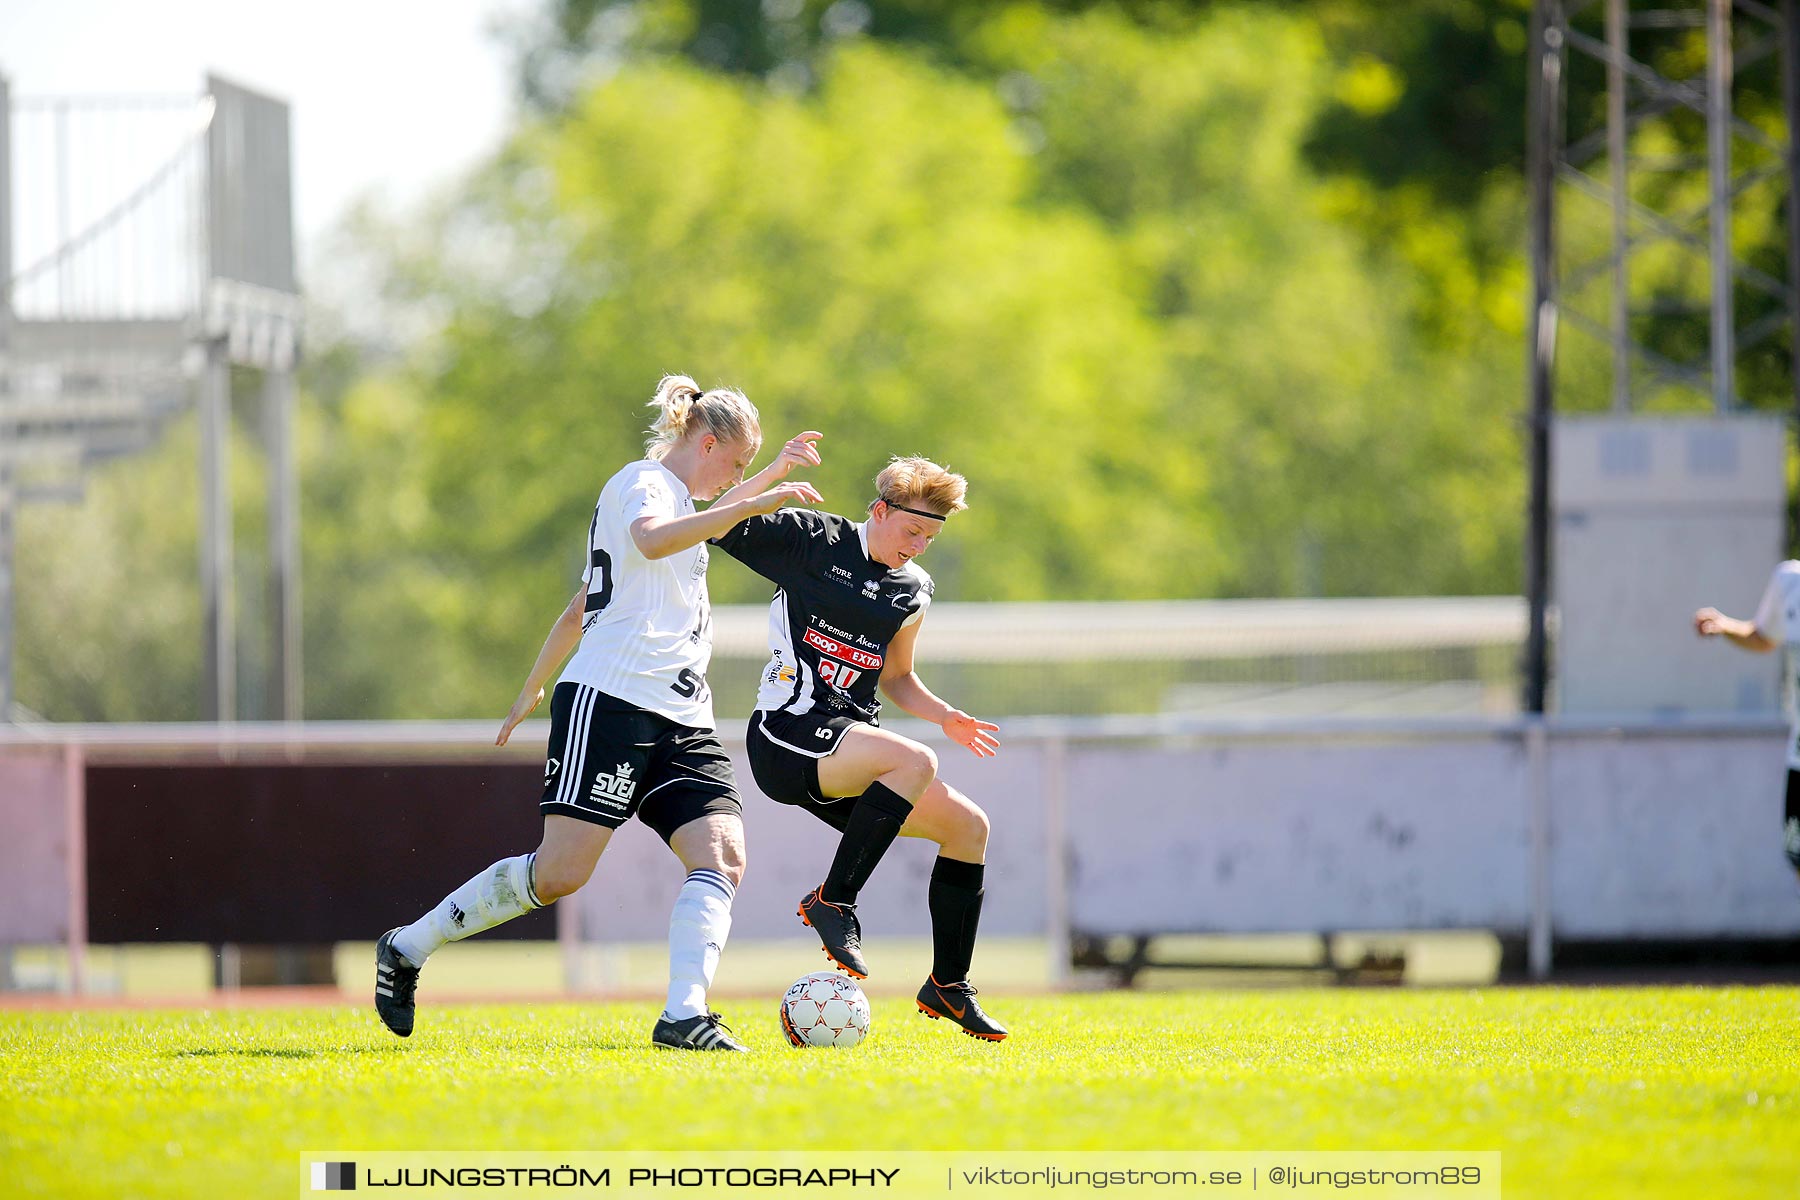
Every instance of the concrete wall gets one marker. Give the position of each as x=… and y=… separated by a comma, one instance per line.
x=42, y=888
x=1652, y=830
x=1664, y=834
x=1300, y=835
x=1670, y=836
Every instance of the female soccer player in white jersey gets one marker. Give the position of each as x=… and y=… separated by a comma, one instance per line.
x=631, y=721
x=1777, y=620
x=847, y=612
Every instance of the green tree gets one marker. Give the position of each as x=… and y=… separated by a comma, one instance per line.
x=863, y=262
x=1119, y=297
x=107, y=625
x=1089, y=255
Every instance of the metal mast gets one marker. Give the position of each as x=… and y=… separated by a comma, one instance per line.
x=1631, y=221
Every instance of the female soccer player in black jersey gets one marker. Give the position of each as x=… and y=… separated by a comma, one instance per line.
x=848, y=605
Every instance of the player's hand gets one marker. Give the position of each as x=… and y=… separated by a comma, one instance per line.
x=783, y=494
x=522, y=708
x=799, y=452
x=1709, y=622
x=978, y=736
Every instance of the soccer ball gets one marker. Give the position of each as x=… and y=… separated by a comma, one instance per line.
x=824, y=1009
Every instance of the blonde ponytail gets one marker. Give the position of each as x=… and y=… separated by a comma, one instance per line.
x=683, y=408
x=675, y=398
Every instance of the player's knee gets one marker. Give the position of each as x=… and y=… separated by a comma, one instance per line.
x=1790, y=842
x=967, y=831
x=920, y=766
x=976, y=826
x=911, y=770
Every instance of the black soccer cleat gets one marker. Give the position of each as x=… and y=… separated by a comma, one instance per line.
x=395, y=981
x=704, y=1032
x=956, y=1002
x=837, y=927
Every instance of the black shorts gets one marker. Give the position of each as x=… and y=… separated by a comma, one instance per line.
x=1790, y=832
x=784, y=757
x=608, y=759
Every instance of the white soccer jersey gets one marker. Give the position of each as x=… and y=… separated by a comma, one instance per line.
x=1778, y=619
x=646, y=638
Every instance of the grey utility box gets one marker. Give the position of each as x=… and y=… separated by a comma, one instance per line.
x=1655, y=517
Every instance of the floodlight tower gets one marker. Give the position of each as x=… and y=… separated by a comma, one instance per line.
x=158, y=256
x=1642, y=153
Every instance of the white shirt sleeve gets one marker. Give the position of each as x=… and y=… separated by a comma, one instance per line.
x=1771, y=614
x=925, y=590
x=648, y=496
x=917, y=614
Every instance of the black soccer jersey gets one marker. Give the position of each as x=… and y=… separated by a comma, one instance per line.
x=834, y=613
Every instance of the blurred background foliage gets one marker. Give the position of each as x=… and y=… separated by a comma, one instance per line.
x=1206, y=299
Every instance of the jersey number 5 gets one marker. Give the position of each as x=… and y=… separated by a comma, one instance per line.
x=599, y=568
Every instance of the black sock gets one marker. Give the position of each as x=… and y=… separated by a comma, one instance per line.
x=874, y=824
x=955, y=900
x=1791, y=820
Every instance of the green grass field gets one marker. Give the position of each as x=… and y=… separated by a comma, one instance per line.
x=1642, y=1092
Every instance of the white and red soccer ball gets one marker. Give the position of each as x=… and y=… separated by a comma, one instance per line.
x=824, y=1009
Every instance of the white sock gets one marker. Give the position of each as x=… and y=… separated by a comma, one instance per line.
x=698, y=926
x=495, y=896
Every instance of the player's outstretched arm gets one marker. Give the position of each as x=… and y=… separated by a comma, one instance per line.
x=563, y=637
x=800, y=451
x=1710, y=622
x=901, y=684
x=764, y=492
x=659, y=537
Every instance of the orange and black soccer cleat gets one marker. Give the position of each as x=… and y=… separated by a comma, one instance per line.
x=956, y=1002
x=837, y=927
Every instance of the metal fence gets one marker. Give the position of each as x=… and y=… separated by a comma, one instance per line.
x=1380, y=657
